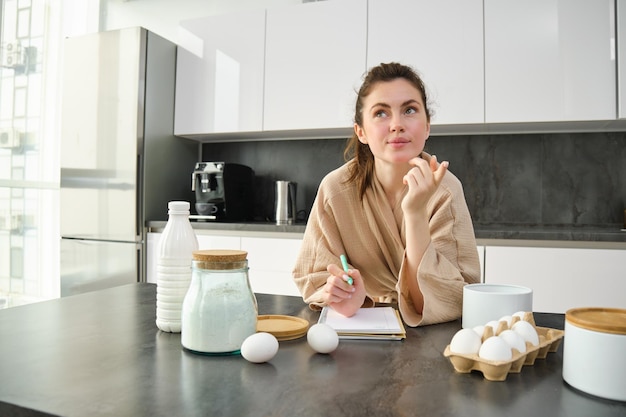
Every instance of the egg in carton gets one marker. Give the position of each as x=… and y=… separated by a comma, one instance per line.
x=467, y=359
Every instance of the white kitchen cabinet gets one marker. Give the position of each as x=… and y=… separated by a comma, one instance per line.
x=314, y=61
x=443, y=41
x=561, y=278
x=271, y=262
x=218, y=242
x=549, y=60
x=205, y=241
x=219, y=74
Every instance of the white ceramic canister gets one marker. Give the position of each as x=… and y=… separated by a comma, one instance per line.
x=594, y=351
x=484, y=302
x=219, y=311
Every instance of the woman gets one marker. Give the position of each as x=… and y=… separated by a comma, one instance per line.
x=398, y=215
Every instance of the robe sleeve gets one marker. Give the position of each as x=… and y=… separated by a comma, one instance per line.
x=448, y=264
x=322, y=245
x=320, y=236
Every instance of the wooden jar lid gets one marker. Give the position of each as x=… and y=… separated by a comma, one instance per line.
x=220, y=258
x=220, y=255
x=598, y=319
x=282, y=327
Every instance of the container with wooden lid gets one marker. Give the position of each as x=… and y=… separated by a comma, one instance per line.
x=219, y=310
x=594, y=351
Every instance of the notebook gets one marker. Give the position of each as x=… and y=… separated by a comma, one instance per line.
x=382, y=323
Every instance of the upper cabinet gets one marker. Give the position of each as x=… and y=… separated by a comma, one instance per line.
x=490, y=66
x=314, y=61
x=549, y=60
x=443, y=41
x=219, y=77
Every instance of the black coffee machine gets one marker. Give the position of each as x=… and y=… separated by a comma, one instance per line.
x=224, y=191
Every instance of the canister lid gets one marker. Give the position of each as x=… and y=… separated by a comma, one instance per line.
x=599, y=319
x=220, y=255
x=220, y=259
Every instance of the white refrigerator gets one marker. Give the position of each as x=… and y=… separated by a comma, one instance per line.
x=120, y=162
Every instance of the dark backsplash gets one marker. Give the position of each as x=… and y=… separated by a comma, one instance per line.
x=540, y=179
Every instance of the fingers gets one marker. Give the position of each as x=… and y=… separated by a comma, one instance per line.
x=339, y=273
x=337, y=288
x=427, y=168
x=440, y=172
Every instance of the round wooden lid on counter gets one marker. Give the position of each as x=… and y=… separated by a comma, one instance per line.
x=282, y=327
x=598, y=319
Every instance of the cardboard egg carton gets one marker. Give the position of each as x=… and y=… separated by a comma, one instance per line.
x=549, y=340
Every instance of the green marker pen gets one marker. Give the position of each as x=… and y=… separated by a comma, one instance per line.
x=344, y=262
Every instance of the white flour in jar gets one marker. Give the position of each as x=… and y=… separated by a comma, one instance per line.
x=218, y=319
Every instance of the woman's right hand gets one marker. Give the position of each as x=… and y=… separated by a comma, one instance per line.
x=344, y=298
x=422, y=180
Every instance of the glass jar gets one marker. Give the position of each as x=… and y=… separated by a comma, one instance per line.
x=219, y=310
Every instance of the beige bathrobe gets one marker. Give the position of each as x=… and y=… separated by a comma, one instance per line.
x=371, y=234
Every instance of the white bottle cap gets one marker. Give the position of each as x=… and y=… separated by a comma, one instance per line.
x=178, y=207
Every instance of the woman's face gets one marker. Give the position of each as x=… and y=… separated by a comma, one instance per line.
x=395, y=124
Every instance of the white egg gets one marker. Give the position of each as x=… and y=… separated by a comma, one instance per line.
x=259, y=347
x=527, y=331
x=493, y=324
x=465, y=341
x=520, y=314
x=495, y=349
x=479, y=329
x=514, y=339
x=322, y=338
x=507, y=319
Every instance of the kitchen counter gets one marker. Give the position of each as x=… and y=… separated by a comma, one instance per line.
x=553, y=233
x=264, y=227
x=571, y=235
x=100, y=353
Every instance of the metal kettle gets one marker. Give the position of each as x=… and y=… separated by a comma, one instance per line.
x=285, y=202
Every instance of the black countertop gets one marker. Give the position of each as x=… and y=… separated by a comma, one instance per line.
x=555, y=233
x=563, y=233
x=101, y=354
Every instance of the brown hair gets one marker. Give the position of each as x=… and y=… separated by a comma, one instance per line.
x=361, y=167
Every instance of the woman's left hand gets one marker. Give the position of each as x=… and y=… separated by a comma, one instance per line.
x=423, y=180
